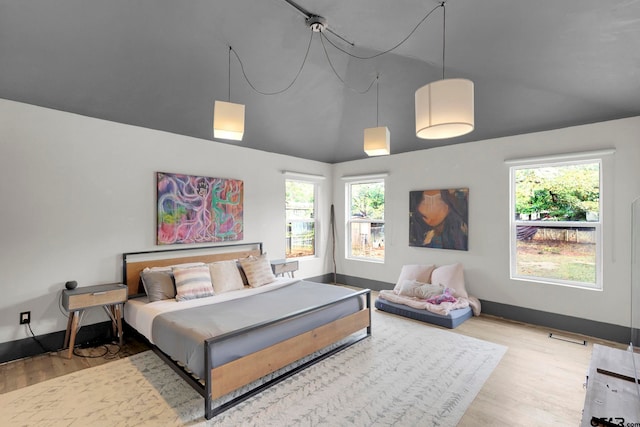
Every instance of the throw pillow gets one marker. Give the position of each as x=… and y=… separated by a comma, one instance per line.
x=258, y=270
x=193, y=282
x=428, y=290
x=451, y=276
x=158, y=284
x=225, y=276
x=418, y=272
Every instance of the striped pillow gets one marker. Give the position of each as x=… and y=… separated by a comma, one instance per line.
x=257, y=270
x=193, y=282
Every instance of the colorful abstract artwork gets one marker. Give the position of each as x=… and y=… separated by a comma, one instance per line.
x=439, y=219
x=198, y=209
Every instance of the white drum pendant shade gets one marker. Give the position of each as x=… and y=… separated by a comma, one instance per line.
x=376, y=141
x=228, y=120
x=444, y=109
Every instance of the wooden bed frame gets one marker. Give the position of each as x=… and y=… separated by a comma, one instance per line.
x=231, y=376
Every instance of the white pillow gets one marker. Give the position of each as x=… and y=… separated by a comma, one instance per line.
x=413, y=288
x=418, y=272
x=428, y=291
x=407, y=288
x=451, y=276
x=225, y=276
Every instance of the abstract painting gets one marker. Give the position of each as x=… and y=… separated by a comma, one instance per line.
x=439, y=219
x=198, y=209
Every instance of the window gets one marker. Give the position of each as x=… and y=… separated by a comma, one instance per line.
x=365, y=227
x=556, y=223
x=300, y=214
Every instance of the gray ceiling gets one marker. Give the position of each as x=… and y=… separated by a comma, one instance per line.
x=160, y=64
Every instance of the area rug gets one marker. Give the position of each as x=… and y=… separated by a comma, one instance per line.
x=406, y=374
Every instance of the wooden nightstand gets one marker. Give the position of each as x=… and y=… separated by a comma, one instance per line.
x=282, y=266
x=111, y=297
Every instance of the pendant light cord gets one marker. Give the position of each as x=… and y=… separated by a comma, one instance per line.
x=326, y=54
x=444, y=32
x=377, y=96
x=277, y=92
x=400, y=43
x=323, y=37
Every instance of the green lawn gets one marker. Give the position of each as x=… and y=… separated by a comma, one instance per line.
x=557, y=260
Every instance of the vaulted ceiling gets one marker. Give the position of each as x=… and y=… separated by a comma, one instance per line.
x=161, y=64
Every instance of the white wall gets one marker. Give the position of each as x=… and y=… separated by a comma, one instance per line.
x=480, y=167
x=77, y=192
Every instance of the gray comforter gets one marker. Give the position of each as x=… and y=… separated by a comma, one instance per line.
x=181, y=334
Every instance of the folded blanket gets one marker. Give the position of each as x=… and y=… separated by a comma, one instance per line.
x=443, y=308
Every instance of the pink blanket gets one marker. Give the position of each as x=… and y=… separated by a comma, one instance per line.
x=443, y=308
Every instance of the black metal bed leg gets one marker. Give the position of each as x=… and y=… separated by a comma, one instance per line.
x=369, y=308
x=208, y=412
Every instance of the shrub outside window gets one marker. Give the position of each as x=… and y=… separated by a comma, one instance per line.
x=365, y=224
x=556, y=223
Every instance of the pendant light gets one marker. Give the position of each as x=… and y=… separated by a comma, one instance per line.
x=228, y=118
x=376, y=140
x=444, y=108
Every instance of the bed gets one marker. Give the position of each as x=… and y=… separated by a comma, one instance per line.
x=236, y=343
x=430, y=294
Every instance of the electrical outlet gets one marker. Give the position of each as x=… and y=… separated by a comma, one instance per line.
x=25, y=317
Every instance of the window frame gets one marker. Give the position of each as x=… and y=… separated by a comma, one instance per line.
x=596, y=225
x=350, y=220
x=315, y=219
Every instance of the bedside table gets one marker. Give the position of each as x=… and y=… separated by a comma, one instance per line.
x=282, y=266
x=111, y=297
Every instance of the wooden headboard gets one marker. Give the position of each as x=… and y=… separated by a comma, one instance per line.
x=134, y=262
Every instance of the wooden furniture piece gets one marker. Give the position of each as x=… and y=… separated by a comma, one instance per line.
x=612, y=395
x=111, y=297
x=218, y=381
x=282, y=266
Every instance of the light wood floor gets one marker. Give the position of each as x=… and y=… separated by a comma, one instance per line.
x=539, y=381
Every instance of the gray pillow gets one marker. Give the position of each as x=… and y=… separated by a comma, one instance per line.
x=158, y=284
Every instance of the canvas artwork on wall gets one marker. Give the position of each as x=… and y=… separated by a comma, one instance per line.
x=439, y=219
x=198, y=209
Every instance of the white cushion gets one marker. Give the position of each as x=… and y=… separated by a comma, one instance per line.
x=225, y=276
x=418, y=272
x=451, y=276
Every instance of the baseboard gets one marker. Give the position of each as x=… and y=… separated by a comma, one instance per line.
x=88, y=336
x=358, y=282
x=605, y=331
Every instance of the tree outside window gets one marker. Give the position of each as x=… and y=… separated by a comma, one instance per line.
x=556, y=228
x=365, y=228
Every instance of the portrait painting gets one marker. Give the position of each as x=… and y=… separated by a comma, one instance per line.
x=198, y=209
x=439, y=219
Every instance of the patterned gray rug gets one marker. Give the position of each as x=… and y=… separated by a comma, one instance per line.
x=406, y=374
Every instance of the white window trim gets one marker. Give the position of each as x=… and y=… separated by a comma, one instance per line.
x=349, y=181
x=551, y=161
x=315, y=181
